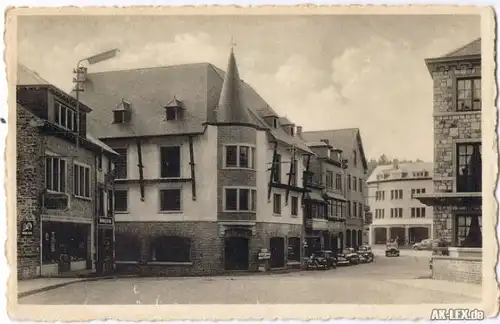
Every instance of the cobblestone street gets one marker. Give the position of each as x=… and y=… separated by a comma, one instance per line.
x=388, y=280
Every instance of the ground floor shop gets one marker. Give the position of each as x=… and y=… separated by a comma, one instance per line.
x=202, y=248
x=66, y=247
x=405, y=234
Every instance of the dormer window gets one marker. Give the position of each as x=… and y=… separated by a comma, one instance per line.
x=122, y=113
x=275, y=122
x=173, y=110
x=171, y=113
x=292, y=131
x=121, y=116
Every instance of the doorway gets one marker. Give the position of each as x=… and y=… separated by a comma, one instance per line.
x=277, y=247
x=236, y=253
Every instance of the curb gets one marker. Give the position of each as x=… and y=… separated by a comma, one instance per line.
x=59, y=285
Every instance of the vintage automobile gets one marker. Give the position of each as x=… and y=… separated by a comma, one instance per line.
x=350, y=255
x=365, y=254
x=426, y=244
x=392, y=249
x=316, y=262
x=329, y=257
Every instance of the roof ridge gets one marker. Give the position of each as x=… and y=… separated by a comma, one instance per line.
x=461, y=47
x=330, y=130
x=151, y=67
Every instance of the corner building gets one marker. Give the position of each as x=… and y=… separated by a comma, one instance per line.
x=209, y=174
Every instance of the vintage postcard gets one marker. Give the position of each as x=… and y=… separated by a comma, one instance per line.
x=225, y=163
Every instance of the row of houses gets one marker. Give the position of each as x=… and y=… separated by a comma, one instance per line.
x=176, y=170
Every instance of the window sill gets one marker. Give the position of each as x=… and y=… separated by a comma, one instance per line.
x=170, y=212
x=53, y=192
x=238, y=168
x=121, y=212
x=294, y=216
x=240, y=211
x=277, y=215
x=83, y=198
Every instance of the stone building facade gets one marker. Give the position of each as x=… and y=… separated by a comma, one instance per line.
x=56, y=216
x=325, y=205
x=348, y=142
x=209, y=177
x=457, y=200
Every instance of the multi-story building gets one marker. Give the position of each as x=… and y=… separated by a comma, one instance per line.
x=325, y=205
x=58, y=181
x=396, y=213
x=208, y=175
x=348, y=141
x=457, y=197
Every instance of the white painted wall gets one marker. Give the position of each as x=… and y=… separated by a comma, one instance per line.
x=205, y=206
x=406, y=203
x=265, y=207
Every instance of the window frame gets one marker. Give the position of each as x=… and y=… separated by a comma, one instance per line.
x=62, y=181
x=251, y=156
x=58, y=116
x=161, y=147
x=277, y=195
x=117, y=211
x=329, y=179
x=252, y=199
x=472, y=79
x=294, y=206
x=160, y=201
x=118, y=166
x=457, y=226
x=78, y=167
x=456, y=144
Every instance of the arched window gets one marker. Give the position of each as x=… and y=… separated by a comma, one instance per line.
x=128, y=247
x=171, y=249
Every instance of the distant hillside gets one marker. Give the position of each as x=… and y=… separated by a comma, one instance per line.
x=384, y=160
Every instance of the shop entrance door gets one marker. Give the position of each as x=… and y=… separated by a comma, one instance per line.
x=236, y=253
x=277, y=247
x=105, y=251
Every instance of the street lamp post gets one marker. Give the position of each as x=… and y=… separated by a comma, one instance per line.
x=79, y=80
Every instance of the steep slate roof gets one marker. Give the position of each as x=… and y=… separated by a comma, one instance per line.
x=344, y=139
x=148, y=90
x=404, y=167
x=230, y=108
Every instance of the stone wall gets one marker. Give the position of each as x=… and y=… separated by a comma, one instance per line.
x=461, y=269
x=29, y=168
x=206, y=247
x=451, y=127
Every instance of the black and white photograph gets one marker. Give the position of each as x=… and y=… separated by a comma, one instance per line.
x=343, y=158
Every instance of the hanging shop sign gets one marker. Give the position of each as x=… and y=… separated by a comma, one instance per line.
x=27, y=228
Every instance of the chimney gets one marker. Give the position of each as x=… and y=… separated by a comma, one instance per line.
x=299, y=130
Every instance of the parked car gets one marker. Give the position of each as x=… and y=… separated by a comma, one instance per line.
x=315, y=262
x=365, y=253
x=392, y=249
x=426, y=244
x=350, y=255
x=331, y=260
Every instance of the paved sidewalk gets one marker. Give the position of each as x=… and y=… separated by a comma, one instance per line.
x=451, y=287
x=33, y=286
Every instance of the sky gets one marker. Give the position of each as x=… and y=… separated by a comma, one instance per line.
x=321, y=71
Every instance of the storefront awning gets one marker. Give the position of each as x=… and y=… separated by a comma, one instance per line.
x=335, y=196
x=314, y=196
x=450, y=198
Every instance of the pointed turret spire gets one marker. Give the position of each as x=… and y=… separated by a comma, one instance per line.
x=230, y=108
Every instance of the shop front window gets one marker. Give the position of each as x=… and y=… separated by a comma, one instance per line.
x=64, y=238
x=127, y=247
x=171, y=249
